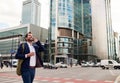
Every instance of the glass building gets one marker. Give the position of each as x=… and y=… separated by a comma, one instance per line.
x=70, y=27
x=31, y=12
x=10, y=38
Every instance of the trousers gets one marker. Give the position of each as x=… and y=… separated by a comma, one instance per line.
x=28, y=76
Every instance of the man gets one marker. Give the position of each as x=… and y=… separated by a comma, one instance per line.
x=30, y=56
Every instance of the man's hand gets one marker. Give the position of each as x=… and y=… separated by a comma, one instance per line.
x=30, y=54
x=35, y=39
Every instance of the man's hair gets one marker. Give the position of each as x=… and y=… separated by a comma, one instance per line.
x=27, y=34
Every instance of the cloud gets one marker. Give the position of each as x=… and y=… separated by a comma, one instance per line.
x=11, y=12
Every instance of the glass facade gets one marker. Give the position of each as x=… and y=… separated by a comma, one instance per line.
x=65, y=13
x=82, y=17
x=69, y=15
x=64, y=45
x=110, y=33
x=9, y=40
x=31, y=12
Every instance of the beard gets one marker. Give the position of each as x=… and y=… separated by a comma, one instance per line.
x=31, y=39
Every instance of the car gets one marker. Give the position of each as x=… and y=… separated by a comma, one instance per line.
x=84, y=64
x=106, y=64
x=14, y=62
x=90, y=63
x=97, y=64
x=61, y=65
x=49, y=66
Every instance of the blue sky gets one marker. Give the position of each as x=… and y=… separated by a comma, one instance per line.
x=10, y=13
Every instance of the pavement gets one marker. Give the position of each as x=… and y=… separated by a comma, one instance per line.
x=7, y=69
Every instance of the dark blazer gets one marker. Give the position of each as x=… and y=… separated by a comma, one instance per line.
x=25, y=50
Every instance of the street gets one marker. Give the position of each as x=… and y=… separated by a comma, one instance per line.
x=74, y=74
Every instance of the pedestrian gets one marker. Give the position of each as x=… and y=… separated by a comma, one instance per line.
x=71, y=63
x=1, y=64
x=30, y=56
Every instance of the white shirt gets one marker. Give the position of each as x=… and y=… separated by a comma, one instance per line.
x=32, y=58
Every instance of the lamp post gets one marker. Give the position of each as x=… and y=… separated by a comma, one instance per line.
x=1, y=61
x=12, y=51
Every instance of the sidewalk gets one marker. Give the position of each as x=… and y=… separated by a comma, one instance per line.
x=7, y=69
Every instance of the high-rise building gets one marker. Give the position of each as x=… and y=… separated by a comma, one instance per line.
x=31, y=12
x=70, y=26
x=102, y=35
x=80, y=29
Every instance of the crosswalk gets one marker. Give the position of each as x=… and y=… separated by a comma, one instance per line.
x=6, y=78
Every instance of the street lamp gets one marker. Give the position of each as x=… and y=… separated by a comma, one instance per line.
x=0, y=60
x=12, y=51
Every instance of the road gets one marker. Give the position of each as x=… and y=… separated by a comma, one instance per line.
x=66, y=75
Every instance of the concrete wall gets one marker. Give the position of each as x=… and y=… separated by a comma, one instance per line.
x=38, y=32
x=99, y=31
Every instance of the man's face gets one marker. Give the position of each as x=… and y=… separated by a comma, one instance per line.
x=29, y=37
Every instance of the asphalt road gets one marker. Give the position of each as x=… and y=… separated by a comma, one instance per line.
x=75, y=74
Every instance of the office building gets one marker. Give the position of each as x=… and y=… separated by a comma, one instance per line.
x=31, y=12
x=102, y=32
x=70, y=26
x=10, y=38
x=80, y=29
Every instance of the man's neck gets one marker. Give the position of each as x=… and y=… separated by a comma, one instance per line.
x=29, y=42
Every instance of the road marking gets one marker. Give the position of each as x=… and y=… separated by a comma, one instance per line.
x=56, y=78
x=108, y=81
x=67, y=78
x=93, y=80
x=44, y=80
x=78, y=79
x=69, y=82
x=61, y=80
x=56, y=81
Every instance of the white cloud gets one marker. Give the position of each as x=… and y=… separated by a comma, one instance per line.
x=11, y=12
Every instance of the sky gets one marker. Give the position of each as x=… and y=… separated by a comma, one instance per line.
x=11, y=12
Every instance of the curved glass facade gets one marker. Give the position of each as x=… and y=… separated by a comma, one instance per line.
x=64, y=45
x=9, y=40
x=68, y=19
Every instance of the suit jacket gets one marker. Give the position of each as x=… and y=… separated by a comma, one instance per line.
x=22, y=52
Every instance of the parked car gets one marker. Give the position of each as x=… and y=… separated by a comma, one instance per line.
x=49, y=66
x=84, y=64
x=97, y=64
x=106, y=64
x=61, y=65
x=91, y=64
x=14, y=62
x=87, y=64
